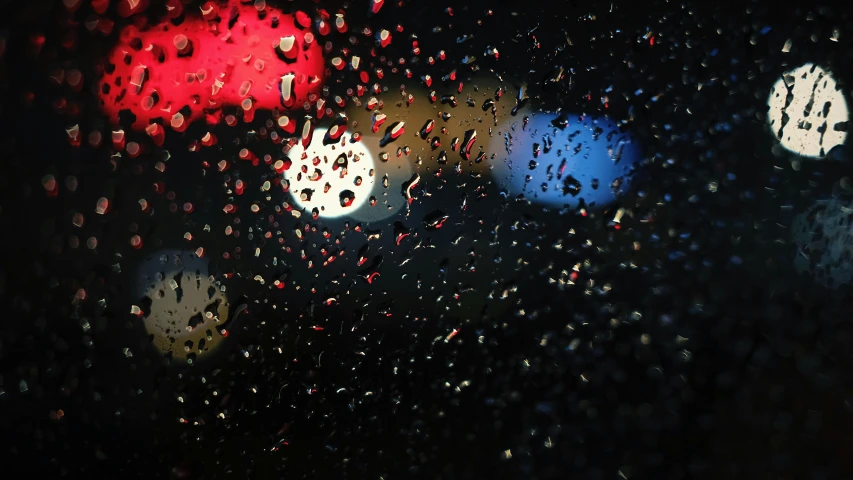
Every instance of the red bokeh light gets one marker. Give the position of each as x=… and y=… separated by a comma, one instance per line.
x=157, y=72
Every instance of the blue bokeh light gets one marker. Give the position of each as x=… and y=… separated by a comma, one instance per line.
x=600, y=159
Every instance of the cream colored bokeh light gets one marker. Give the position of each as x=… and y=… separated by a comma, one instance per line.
x=805, y=108
x=188, y=312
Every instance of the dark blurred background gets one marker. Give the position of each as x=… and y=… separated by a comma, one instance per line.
x=702, y=354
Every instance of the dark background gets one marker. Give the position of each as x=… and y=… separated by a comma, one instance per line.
x=725, y=363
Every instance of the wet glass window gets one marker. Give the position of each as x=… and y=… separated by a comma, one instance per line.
x=413, y=239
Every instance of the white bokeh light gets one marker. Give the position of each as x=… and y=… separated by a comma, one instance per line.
x=328, y=199
x=805, y=108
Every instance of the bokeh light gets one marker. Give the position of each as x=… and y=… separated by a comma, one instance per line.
x=177, y=74
x=563, y=159
x=335, y=178
x=184, y=309
x=823, y=235
x=808, y=112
